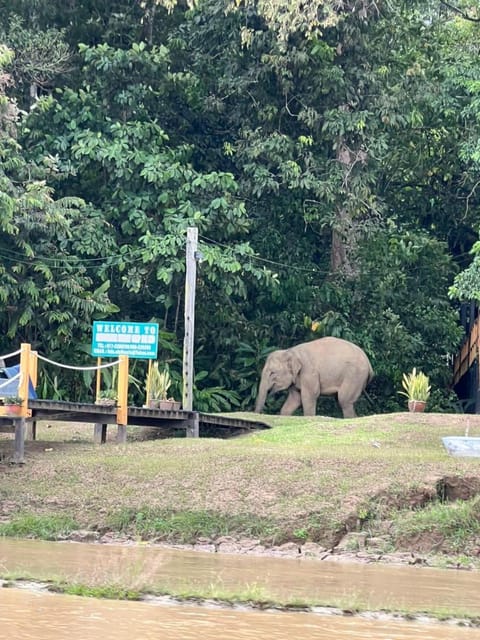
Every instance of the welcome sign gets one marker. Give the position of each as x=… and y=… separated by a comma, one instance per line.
x=132, y=339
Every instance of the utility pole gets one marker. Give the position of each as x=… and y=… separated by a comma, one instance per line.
x=190, y=282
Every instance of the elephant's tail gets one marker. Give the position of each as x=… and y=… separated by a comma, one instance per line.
x=371, y=373
x=370, y=400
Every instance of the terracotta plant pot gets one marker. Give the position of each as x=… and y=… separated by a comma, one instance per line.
x=169, y=405
x=164, y=405
x=106, y=402
x=416, y=406
x=10, y=409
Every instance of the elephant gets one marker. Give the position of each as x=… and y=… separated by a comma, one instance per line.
x=325, y=366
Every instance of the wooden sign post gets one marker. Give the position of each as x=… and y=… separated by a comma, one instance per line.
x=188, y=341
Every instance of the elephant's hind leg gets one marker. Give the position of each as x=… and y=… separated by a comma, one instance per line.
x=346, y=402
x=347, y=396
x=292, y=402
x=349, y=411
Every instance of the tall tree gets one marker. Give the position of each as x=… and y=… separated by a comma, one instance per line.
x=46, y=290
x=331, y=132
x=327, y=134
x=114, y=136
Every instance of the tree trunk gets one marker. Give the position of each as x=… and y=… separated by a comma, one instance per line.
x=343, y=244
x=346, y=229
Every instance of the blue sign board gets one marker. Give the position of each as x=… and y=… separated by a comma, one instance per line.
x=132, y=339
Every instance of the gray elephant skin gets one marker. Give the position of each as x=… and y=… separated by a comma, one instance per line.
x=323, y=367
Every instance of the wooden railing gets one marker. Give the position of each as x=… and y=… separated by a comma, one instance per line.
x=28, y=374
x=469, y=352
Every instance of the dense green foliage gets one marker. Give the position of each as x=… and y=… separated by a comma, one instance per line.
x=328, y=156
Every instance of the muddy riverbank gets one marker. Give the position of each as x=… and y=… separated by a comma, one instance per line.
x=160, y=574
x=353, y=548
x=370, y=492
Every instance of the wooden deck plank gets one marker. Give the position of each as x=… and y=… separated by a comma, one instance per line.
x=194, y=423
x=137, y=416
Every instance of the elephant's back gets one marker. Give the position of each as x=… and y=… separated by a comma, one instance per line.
x=335, y=348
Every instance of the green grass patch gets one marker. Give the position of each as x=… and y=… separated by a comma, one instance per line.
x=43, y=527
x=250, y=593
x=256, y=595
x=108, y=592
x=456, y=522
x=188, y=526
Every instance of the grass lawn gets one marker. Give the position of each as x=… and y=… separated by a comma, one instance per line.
x=305, y=479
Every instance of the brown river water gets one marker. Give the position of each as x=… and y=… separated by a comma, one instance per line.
x=29, y=614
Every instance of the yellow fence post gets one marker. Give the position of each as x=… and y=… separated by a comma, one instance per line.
x=122, y=410
x=31, y=427
x=34, y=368
x=147, y=396
x=25, y=359
x=99, y=379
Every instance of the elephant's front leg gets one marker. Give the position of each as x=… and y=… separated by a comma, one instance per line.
x=292, y=402
x=309, y=402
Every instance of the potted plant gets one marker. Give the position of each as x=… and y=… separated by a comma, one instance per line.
x=107, y=398
x=158, y=384
x=417, y=388
x=10, y=406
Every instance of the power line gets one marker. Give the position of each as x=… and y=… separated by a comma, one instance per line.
x=65, y=258
x=68, y=261
x=116, y=259
x=267, y=260
x=133, y=256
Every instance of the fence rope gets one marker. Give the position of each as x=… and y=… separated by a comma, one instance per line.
x=9, y=381
x=68, y=366
x=10, y=355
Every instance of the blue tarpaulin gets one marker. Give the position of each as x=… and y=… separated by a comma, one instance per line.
x=11, y=389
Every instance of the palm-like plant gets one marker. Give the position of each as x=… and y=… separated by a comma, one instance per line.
x=416, y=386
x=158, y=383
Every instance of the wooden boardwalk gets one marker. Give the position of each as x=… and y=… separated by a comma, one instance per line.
x=191, y=423
x=466, y=364
x=468, y=354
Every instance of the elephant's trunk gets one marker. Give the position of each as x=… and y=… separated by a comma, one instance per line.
x=261, y=395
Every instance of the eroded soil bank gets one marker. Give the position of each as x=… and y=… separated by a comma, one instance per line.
x=353, y=547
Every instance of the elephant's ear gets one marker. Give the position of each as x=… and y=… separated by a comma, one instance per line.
x=294, y=364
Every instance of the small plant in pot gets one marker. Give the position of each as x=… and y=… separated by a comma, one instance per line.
x=158, y=384
x=107, y=398
x=11, y=405
x=417, y=388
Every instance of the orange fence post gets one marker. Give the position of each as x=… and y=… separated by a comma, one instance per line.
x=34, y=368
x=122, y=410
x=147, y=397
x=25, y=359
x=99, y=379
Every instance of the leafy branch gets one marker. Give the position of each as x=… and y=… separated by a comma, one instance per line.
x=459, y=11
